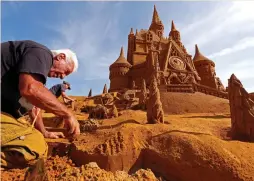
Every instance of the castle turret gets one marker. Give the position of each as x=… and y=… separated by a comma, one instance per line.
x=156, y=26
x=175, y=34
x=118, y=73
x=205, y=68
x=131, y=46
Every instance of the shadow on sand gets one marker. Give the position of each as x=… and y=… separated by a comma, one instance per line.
x=210, y=117
x=130, y=121
x=178, y=131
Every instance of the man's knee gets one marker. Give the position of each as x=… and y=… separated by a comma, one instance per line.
x=27, y=143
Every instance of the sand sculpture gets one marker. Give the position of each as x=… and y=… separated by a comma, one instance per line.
x=143, y=95
x=133, y=86
x=155, y=112
x=176, y=70
x=88, y=125
x=90, y=93
x=108, y=99
x=114, y=112
x=98, y=112
x=242, y=111
x=206, y=69
x=105, y=89
x=252, y=96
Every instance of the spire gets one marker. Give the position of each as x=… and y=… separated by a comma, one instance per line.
x=156, y=18
x=105, y=89
x=131, y=32
x=121, y=52
x=198, y=56
x=196, y=49
x=156, y=26
x=136, y=32
x=90, y=93
x=173, y=26
x=174, y=33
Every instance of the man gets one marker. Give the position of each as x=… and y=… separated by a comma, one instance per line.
x=25, y=66
x=59, y=90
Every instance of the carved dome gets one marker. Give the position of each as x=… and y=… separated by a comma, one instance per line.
x=121, y=61
x=199, y=57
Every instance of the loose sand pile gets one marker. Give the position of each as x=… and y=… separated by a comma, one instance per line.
x=181, y=103
x=188, y=147
x=62, y=168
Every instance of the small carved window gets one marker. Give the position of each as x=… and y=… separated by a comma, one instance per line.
x=159, y=33
x=174, y=53
x=149, y=37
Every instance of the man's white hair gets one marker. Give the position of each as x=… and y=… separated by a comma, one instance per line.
x=70, y=56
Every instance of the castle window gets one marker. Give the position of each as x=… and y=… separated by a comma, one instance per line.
x=149, y=37
x=159, y=33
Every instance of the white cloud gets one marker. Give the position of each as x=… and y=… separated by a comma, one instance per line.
x=87, y=37
x=223, y=21
x=243, y=44
x=226, y=32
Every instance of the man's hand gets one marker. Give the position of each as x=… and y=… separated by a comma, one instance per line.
x=72, y=125
x=53, y=135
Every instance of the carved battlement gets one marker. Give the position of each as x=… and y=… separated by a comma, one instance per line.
x=192, y=88
x=180, y=88
x=210, y=91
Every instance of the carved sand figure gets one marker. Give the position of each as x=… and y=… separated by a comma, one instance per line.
x=114, y=112
x=88, y=125
x=155, y=112
x=105, y=89
x=143, y=96
x=90, y=93
x=98, y=112
x=108, y=99
x=242, y=111
x=133, y=86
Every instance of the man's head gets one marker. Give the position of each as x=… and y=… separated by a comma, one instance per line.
x=67, y=85
x=64, y=63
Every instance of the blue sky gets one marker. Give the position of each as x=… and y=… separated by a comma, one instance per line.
x=224, y=32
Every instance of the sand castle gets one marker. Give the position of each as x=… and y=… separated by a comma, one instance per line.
x=177, y=71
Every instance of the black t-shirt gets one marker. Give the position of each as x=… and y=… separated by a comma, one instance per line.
x=21, y=57
x=57, y=89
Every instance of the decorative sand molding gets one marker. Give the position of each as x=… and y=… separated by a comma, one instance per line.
x=155, y=112
x=242, y=110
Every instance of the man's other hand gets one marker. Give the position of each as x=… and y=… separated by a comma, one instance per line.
x=53, y=135
x=72, y=126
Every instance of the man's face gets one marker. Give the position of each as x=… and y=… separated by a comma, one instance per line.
x=60, y=67
x=66, y=86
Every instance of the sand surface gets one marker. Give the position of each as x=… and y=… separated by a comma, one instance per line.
x=188, y=147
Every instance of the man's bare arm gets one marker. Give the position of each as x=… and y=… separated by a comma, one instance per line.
x=39, y=122
x=39, y=125
x=34, y=91
x=66, y=97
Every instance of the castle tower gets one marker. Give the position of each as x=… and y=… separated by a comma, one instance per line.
x=90, y=93
x=105, y=89
x=131, y=46
x=175, y=35
x=118, y=71
x=205, y=68
x=156, y=26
